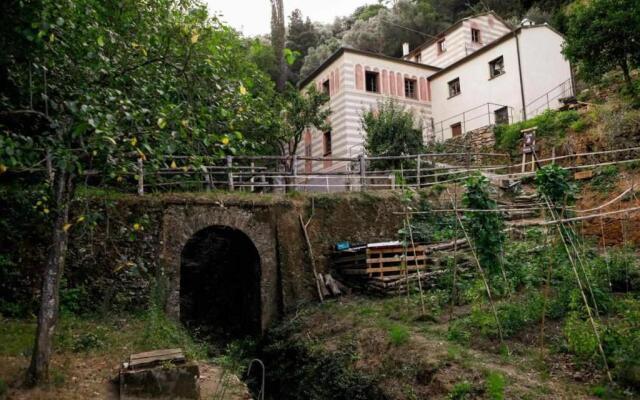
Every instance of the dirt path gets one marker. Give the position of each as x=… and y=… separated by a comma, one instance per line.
x=81, y=377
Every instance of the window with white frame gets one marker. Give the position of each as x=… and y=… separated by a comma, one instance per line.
x=410, y=88
x=441, y=46
x=496, y=67
x=454, y=87
x=371, y=80
x=475, y=35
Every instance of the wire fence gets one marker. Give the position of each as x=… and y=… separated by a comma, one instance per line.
x=481, y=116
x=288, y=173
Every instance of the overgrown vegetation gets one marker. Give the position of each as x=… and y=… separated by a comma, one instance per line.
x=485, y=226
x=391, y=131
x=552, y=126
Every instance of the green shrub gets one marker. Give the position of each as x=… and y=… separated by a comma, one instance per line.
x=87, y=341
x=4, y=388
x=398, y=335
x=580, y=125
x=461, y=390
x=486, y=229
x=551, y=124
x=580, y=337
x=495, y=386
x=606, y=179
x=459, y=332
x=553, y=182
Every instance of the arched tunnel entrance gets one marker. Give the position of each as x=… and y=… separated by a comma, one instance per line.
x=220, y=284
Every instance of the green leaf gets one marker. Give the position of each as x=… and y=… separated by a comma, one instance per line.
x=100, y=41
x=162, y=123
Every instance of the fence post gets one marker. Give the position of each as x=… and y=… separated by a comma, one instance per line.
x=548, y=106
x=464, y=123
x=418, y=171
x=363, y=172
x=229, y=173
x=140, y=177
x=207, y=178
x=253, y=178
x=294, y=170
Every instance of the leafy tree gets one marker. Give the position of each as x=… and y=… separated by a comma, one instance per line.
x=410, y=21
x=553, y=182
x=104, y=84
x=301, y=36
x=367, y=11
x=317, y=55
x=603, y=35
x=302, y=110
x=485, y=228
x=261, y=53
x=391, y=131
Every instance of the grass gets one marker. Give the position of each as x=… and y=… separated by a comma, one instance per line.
x=495, y=385
x=398, y=334
x=461, y=390
x=16, y=337
x=125, y=335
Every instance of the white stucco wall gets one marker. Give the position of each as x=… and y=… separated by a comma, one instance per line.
x=476, y=90
x=544, y=69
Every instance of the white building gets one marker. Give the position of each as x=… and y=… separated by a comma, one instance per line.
x=478, y=72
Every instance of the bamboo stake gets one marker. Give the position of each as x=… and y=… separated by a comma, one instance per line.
x=577, y=276
x=312, y=259
x=415, y=260
x=584, y=297
x=483, y=276
x=454, y=289
x=606, y=254
x=545, y=294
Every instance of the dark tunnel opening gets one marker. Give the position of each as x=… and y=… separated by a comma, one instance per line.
x=220, y=285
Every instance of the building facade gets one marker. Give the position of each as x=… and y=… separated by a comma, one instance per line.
x=477, y=73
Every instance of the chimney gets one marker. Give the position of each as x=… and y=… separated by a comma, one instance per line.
x=405, y=49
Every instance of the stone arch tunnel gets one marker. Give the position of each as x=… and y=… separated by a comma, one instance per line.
x=220, y=284
x=221, y=265
x=203, y=238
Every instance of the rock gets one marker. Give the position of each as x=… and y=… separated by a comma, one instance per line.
x=161, y=382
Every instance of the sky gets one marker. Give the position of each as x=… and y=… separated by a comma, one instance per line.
x=253, y=17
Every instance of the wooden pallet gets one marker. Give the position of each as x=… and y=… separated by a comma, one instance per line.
x=380, y=261
x=390, y=267
x=154, y=358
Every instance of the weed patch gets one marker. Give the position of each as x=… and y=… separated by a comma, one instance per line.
x=398, y=335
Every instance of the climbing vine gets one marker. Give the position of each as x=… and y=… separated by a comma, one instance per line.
x=485, y=228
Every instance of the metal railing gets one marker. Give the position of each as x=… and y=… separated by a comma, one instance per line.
x=288, y=173
x=550, y=100
x=471, y=119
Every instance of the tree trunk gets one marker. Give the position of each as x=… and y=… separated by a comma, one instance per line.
x=50, y=300
x=627, y=77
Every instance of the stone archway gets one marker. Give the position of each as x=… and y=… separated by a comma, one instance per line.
x=181, y=223
x=220, y=284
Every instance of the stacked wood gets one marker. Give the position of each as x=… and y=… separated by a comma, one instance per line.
x=389, y=268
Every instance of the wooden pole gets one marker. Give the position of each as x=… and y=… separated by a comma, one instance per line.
x=311, y=258
x=363, y=172
x=229, y=172
x=140, y=177
x=482, y=275
x=418, y=171
x=294, y=170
